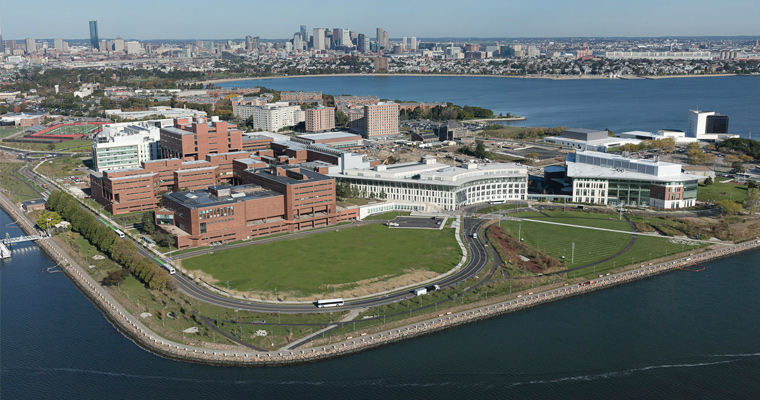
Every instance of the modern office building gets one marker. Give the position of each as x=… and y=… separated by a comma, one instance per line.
x=272, y=116
x=379, y=37
x=440, y=186
x=94, y=41
x=336, y=140
x=589, y=139
x=304, y=34
x=125, y=145
x=380, y=120
x=191, y=140
x=609, y=179
x=320, y=119
x=707, y=125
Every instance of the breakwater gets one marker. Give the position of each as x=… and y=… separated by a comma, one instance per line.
x=133, y=328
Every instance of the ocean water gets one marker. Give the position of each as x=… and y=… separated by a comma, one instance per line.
x=679, y=335
x=618, y=105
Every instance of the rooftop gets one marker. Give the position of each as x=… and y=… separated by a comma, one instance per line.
x=194, y=199
x=330, y=135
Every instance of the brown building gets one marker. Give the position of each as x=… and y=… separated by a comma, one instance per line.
x=253, y=142
x=138, y=189
x=380, y=120
x=33, y=205
x=320, y=119
x=188, y=140
x=381, y=64
x=270, y=200
x=301, y=97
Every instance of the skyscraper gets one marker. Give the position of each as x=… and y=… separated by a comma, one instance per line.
x=94, y=42
x=379, y=38
x=31, y=46
x=304, y=34
x=362, y=43
x=2, y=43
x=319, y=39
x=414, y=43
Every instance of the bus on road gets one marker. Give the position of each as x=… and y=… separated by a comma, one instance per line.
x=120, y=233
x=329, y=303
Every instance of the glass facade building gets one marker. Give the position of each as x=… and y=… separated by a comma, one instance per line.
x=94, y=41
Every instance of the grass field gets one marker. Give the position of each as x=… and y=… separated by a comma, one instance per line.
x=591, y=245
x=387, y=215
x=7, y=131
x=68, y=145
x=499, y=207
x=307, y=265
x=721, y=191
x=61, y=166
x=12, y=181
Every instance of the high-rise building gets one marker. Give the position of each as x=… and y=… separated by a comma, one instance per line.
x=248, y=43
x=403, y=43
x=297, y=42
x=380, y=119
x=304, y=34
x=58, y=44
x=94, y=41
x=319, y=39
x=2, y=43
x=386, y=40
x=414, y=43
x=363, y=43
x=31, y=46
x=118, y=45
x=320, y=119
x=379, y=37
x=345, y=37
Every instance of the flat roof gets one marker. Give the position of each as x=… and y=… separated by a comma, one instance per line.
x=194, y=199
x=177, y=131
x=330, y=135
x=286, y=180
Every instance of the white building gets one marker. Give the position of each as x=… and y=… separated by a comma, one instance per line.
x=271, y=117
x=708, y=126
x=440, y=186
x=133, y=47
x=589, y=139
x=319, y=39
x=126, y=145
x=601, y=178
x=157, y=112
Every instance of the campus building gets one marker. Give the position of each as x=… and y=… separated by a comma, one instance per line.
x=193, y=140
x=708, y=126
x=601, y=178
x=125, y=145
x=320, y=119
x=589, y=139
x=377, y=120
x=336, y=140
x=269, y=200
x=270, y=117
x=301, y=97
x=439, y=185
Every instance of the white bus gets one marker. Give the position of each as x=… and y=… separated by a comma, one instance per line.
x=329, y=303
x=171, y=269
x=120, y=233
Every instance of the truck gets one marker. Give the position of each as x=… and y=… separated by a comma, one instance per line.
x=420, y=291
x=432, y=288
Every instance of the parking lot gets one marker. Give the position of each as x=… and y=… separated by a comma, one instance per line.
x=419, y=222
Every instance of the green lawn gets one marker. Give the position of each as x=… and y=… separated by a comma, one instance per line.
x=721, y=191
x=7, y=131
x=12, y=181
x=68, y=145
x=591, y=245
x=61, y=167
x=500, y=207
x=307, y=265
x=387, y=215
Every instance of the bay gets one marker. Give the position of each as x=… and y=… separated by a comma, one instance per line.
x=615, y=104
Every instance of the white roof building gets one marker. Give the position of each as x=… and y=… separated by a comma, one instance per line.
x=125, y=145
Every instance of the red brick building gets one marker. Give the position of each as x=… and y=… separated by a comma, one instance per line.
x=301, y=97
x=320, y=119
x=188, y=140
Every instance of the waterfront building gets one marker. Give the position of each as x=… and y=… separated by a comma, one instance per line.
x=609, y=179
x=660, y=55
x=707, y=125
x=589, y=139
x=125, y=145
x=381, y=64
x=441, y=186
x=272, y=116
x=94, y=41
x=190, y=140
x=301, y=97
x=320, y=119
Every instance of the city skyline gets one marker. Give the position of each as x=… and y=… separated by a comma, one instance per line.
x=492, y=19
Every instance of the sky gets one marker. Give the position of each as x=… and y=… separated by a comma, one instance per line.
x=279, y=19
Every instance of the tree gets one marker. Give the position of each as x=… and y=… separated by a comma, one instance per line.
x=531, y=158
x=480, y=150
x=708, y=181
x=729, y=207
x=115, y=277
x=42, y=220
x=752, y=200
x=148, y=223
x=341, y=119
x=737, y=167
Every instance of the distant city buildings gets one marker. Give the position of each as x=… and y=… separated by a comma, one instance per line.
x=270, y=116
x=94, y=41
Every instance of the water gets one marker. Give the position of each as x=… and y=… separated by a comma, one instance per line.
x=680, y=335
x=618, y=105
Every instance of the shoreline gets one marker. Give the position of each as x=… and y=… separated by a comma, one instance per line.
x=131, y=327
x=547, y=77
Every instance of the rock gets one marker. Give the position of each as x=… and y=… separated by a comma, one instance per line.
x=146, y=315
x=193, y=329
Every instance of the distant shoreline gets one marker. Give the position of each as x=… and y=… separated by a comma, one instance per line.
x=547, y=77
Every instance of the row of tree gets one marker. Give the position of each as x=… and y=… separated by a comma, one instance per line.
x=105, y=239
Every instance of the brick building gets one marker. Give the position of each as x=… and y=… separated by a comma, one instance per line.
x=320, y=119
x=301, y=97
x=188, y=140
x=380, y=120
